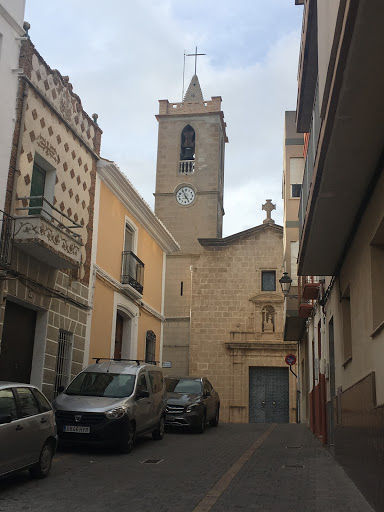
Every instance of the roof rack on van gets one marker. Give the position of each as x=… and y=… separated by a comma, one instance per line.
x=137, y=361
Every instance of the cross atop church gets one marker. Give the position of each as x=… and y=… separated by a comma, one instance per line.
x=268, y=207
x=194, y=55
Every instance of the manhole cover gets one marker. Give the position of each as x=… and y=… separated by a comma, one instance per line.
x=294, y=466
x=152, y=461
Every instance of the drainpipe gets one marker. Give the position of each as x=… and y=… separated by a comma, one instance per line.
x=16, y=172
x=297, y=385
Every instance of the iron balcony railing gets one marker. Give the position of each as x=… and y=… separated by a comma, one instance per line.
x=39, y=206
x=187, y=167
x=133, y=271
x=7, y=228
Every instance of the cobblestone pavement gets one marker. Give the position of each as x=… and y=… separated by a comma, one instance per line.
x=231, y=468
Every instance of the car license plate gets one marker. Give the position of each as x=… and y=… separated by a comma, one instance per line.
x=170, y=418
x=77, y=429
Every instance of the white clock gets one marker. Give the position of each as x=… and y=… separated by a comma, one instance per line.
x=185, y=196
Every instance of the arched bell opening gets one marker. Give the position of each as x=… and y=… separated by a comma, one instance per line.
x=187, y=146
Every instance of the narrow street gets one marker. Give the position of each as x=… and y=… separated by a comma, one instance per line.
x=249, y=467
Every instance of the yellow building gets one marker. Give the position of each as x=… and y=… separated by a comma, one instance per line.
x=129, y=263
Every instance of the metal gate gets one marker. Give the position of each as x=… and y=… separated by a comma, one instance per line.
x=268, y=395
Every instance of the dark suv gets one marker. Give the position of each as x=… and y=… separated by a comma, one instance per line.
x=191, y=402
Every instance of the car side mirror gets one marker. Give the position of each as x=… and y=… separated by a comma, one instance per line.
x=207, y=393
x=142, y=394
x=5, y=418
x=60, y=389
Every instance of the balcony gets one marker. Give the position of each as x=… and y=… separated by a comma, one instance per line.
x=310, y=156
x=7, y=225
x=47, y=234
x=307, y=72
x=305, y=309
x=311, y=287
x=349, y=155
x=187, y=167
x=133, y=271
x=307, y=294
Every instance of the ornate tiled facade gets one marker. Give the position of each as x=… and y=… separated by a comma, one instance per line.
x=64, y=151
x=51, y=257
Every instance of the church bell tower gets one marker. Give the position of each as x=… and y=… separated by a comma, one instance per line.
x=188, y=200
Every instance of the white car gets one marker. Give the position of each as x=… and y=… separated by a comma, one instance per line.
x=28, y=436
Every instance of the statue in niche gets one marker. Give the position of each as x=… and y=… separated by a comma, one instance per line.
x=268, y=314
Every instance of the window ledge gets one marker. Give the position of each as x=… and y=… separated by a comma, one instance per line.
x=378, y=329
x=347, y=361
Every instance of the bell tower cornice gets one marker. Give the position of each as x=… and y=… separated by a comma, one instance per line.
x=183, y=109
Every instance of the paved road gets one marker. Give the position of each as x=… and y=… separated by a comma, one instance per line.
x=231, y=468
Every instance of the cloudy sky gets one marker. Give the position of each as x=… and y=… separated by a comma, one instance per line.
x=122, y=56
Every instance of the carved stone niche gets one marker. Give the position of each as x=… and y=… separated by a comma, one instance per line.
x=268, y=311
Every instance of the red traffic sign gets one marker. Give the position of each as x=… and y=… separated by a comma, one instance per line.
x=290, y=359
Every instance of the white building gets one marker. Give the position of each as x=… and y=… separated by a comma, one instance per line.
x=11, y=29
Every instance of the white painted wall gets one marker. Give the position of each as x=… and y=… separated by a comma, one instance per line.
x=11, y=22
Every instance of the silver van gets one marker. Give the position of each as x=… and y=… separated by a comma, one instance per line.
x=112, y=402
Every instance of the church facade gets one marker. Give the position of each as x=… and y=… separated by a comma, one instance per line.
x=223, y=310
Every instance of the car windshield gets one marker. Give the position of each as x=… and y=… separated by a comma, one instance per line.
x=183, y=385
x=102, y=384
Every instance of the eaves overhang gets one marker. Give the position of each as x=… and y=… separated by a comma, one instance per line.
x=349, y=156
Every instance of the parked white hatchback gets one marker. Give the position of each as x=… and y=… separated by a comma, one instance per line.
x=28, y=437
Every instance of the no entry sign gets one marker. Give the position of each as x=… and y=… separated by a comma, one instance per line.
x=290, y=359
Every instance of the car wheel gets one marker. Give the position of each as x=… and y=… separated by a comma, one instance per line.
x=215, y=420
x=126, y=442
x=158, y=434
x=41, y=469
x=201, y=427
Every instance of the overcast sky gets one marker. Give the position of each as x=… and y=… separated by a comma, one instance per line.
x=122, y=56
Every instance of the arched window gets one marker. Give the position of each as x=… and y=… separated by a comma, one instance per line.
x=187, y=146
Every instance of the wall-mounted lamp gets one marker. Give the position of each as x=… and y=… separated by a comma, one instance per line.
x=285, y=283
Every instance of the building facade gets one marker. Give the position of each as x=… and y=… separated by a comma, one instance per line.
x=128, y=279
x=49, y=195
x=341, y=218
x=237, y=326
x=11, y=34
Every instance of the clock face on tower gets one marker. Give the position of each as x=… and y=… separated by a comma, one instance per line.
x=185, y=196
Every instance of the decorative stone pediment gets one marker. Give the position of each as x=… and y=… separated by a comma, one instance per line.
x=267, y=297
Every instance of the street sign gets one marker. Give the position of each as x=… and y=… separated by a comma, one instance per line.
x=167, y=364
x=290, y=359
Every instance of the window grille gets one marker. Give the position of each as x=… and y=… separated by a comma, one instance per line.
x=268, y=281
x=63, y=360
x=150, y=347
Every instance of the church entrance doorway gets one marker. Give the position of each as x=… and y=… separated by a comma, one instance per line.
x=268, y=394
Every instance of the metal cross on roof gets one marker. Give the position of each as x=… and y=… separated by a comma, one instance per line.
x=194, y=55
x=268, y=207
